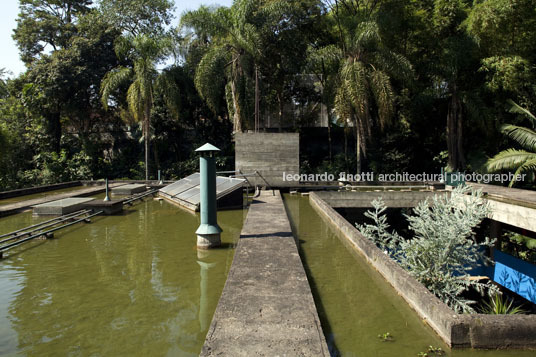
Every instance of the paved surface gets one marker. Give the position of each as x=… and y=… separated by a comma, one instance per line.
x=13, y=208
x=266, y=308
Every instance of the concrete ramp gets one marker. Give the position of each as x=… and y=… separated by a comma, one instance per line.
x=266, y=308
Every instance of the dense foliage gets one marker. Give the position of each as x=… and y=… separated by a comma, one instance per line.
x=443, y=249
x=122, y=89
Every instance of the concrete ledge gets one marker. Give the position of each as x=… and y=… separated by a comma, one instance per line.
x=37, y=189
x=363, y=199
x=457, y=330
x=13, y=208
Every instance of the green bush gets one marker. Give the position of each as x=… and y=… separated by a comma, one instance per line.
x=443, y=249
x=53, y=168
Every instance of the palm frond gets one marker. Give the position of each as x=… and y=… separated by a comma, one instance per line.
x=515, y=108
x=528, y=167
x=167, y=83
x=383, y=95
x=394, y=64
x=210, y=76
x=355, y=86
x=523, y=136
x=123, y=45
x=112, y=81
x=135, y=101
x=509, y=159
x=205, y=21
x=367, y=35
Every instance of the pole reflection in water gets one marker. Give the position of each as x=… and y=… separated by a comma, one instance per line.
x=122, y=285
x=205, y=310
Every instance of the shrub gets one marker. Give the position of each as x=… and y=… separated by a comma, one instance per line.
x=443, y=249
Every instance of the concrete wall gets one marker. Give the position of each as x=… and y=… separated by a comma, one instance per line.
x=270, y=154
x=363, y=199
x=512, y=206
x=37, y=189
x=457, y=330
x=513, y=214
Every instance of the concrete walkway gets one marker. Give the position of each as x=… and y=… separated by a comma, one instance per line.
x=6, y=210
x=266, y=308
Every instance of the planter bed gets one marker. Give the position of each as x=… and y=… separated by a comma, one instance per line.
x=457, y=330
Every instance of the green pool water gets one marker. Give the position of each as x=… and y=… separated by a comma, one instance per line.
x=6, y=201
x=126, y=285
x=355, y=303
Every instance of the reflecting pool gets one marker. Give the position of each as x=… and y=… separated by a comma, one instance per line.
x=132, y=284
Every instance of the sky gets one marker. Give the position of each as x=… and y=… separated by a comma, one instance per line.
x=9, y=58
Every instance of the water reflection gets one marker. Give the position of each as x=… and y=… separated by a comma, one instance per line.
x=123, y=285
x=205, y=310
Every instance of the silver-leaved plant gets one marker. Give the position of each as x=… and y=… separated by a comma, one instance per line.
x=443, y=249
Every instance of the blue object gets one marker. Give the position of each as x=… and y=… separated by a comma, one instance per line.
x=516, y=275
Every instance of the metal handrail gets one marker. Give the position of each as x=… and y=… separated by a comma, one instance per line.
x=255, y=173
x=140, y=196
x=33, y=236
x=267, y=184
x=41, y=225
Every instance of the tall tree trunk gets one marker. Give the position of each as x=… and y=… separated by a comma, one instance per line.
x=456, y=159
x=54, y=129
x=461, y=154
x=357, y=148
x=257, y=117
x=155, y=157
x=280, y=114
x=346, y=147
x=147, y=138
x=237, y=122
x=329, y=135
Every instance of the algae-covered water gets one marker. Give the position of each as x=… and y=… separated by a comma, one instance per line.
x=355, y=303
x=126, y=285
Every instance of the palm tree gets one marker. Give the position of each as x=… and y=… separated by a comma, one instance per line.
x=144, y=52
x=242, y=42
x=521, y=160
x=365, y=95
x=232, y=46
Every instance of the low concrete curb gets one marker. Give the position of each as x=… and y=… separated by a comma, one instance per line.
x=37, y=189
x=457, y=330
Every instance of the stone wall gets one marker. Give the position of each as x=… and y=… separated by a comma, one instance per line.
x=270, y=154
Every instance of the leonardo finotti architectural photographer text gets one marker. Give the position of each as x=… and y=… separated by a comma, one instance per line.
x=403, y=177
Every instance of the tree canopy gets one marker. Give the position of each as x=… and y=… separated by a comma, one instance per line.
x=416, y=86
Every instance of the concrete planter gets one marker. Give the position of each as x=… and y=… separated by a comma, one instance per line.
x=457, y=330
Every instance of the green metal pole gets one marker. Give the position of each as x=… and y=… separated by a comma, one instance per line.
x=208, y=233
